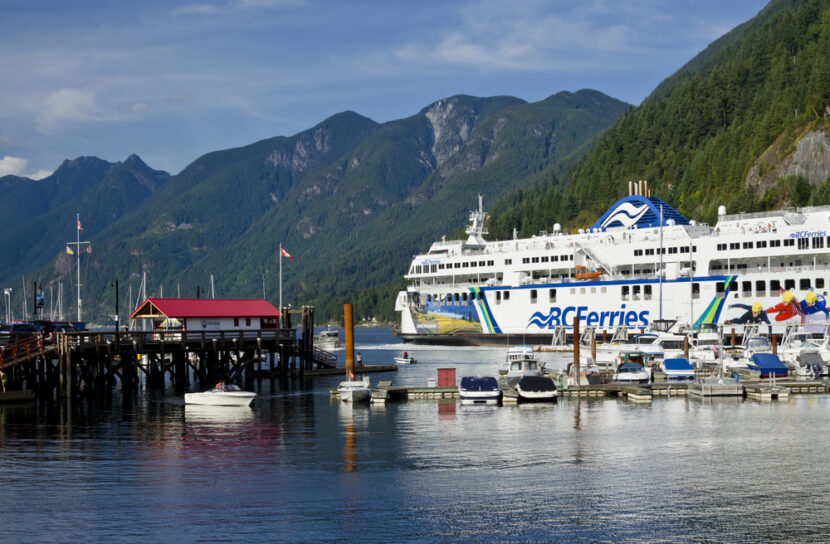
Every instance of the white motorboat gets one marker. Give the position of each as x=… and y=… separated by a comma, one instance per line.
x=739, y=357
x=354, y=390
x=405, y=360
x=536, y=389
x=479, y=390
x=327, y=340
x=705, y=347
x=224, y=394
x=632, y=368
x=520, y=362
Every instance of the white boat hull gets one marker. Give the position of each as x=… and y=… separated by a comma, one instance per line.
x=354, y=391
x=480, y=397
x=220, y=398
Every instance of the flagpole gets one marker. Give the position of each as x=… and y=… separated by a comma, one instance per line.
x=78, y=247
x=282, y=319
x=77, y=243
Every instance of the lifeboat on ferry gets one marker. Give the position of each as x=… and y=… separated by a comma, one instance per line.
x=583, y=273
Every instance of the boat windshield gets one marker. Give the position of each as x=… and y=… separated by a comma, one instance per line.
x=758, y=342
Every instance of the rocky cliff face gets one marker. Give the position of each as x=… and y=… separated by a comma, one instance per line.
x=809, y=157
x=450, y=127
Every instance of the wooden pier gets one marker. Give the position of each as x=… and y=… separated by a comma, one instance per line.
x=68, y=364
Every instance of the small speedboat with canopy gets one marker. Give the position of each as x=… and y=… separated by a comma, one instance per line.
x=224, y=394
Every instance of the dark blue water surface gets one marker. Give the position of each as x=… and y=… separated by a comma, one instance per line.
x=299, y=467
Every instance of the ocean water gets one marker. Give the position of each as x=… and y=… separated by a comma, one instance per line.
x=298, y=466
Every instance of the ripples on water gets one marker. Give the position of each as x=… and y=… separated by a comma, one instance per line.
x=299, y=467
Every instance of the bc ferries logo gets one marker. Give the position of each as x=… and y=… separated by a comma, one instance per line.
x=626, y=214
x=565, y=316
x=808, y=234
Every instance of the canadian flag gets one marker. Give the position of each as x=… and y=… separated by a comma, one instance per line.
x=284, y=253
x=79, y=224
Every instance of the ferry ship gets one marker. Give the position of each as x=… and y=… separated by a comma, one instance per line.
x=642, y=261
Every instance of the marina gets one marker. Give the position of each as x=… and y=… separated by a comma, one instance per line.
x=396, y=466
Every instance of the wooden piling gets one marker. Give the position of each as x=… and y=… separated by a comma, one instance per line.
x=348, y=324
x=774, y=345
x=686, y=347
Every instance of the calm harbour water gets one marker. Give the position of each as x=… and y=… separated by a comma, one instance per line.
x=300, y=467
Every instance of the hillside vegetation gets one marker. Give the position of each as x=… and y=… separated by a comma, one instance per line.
x=719, y=131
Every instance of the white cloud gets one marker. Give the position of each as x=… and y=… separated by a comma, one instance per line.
x=211, y=8
x=493, y=35
x=13, y=166
x=67, y=105
x=139, y=107
x=40, y=174
x=16, y=166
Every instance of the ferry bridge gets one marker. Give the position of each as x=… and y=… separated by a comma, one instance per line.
x=65, y=364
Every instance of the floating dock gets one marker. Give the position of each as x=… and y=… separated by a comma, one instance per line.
x=710, y=387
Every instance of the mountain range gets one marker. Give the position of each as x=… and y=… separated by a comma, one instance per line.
x=746, y=124
x=351, y=199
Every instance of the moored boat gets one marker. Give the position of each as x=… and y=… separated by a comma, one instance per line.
x=520, y=362
x=769, y=365
x=355, y=390
x=224, y=394
x=536, y=389
x=632, y=368
x=677, y=369
x=479, y=390
x=589, y=373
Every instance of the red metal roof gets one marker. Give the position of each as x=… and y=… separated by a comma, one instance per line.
x=208, y=307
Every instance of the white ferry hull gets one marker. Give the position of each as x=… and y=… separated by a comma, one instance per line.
x=506, y=290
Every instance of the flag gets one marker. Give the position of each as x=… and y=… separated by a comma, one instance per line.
x=89, y=249
x=284, y=253
x=69, y=251
x=79, y=224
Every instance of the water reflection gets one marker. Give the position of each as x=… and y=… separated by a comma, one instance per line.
x=349, y=449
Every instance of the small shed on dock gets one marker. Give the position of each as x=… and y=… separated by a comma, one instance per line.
x=208, y=314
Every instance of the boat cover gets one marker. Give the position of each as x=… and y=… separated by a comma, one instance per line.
x=810, y=358
x=768, y=363
x=678, y=364
x=536, y=383
x=479, y=383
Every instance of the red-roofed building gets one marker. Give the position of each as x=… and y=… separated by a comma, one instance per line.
x=208, y=314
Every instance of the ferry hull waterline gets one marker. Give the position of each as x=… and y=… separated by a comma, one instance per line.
x=640, y=262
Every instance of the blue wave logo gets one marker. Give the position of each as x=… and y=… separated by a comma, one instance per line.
x=543, y=321
x=626, y=214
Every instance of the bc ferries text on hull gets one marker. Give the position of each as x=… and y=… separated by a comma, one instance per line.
x=644, y=261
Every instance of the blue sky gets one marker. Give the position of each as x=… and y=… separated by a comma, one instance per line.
x=171, y=80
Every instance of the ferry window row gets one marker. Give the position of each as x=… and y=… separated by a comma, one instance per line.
x=546, y=259
x=816, y=242
x=432, y=268
x=666, y=250
x=646, y=292
x=452, y=299
x=745, y=289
